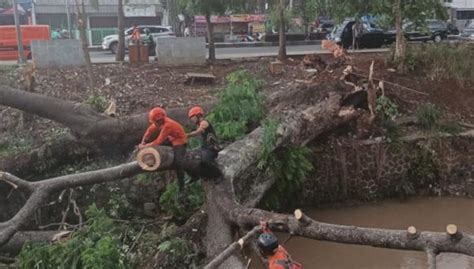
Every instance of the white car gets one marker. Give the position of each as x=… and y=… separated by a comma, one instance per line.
x=110, y=42
x=468, y=34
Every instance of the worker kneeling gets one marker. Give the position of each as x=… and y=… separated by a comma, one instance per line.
x=209, y=144
x=278, y=257
x=171, y=131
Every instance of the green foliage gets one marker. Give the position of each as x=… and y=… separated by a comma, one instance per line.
x=442, y=61
x=429, y=116
x=94, y=246
x=240, y=106
x=270, y=127
x=414, y=11
x=423, y=170
x=207, y=7
x=118, y=205
x=275, y=17
x=290, y=166
x=17, y=144
x=386, y=107
x=181, y=253
x=307, y=10
x=97, y=102
x=182, y=206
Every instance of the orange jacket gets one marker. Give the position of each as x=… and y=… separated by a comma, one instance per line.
x=136, y=35
x=170, y=129
x=281, y=260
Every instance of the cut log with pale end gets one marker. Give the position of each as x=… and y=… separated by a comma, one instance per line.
x=301, y=217
x=452, y=230
x=412, y=233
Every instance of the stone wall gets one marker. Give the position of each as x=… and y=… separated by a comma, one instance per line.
x=181, y=50
x=368, y=170
x=57, y=53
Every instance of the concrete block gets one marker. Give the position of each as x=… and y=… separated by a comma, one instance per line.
x=181, y=50
x=57, y=53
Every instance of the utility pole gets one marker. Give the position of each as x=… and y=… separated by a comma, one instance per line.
x=33, y=12
x=19, y=39
x=68, y=19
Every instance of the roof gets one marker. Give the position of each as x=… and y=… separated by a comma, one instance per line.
x=105, y=6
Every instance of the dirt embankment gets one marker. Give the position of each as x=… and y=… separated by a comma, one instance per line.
x=137, y=89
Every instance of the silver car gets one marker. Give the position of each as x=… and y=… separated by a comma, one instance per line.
x=110, y=42
x=467, y=34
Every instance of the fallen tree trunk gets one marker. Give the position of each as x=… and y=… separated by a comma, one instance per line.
x=83, y=121
x=14, y=246
x=297, y=127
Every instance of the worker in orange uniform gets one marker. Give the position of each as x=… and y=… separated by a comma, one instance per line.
x=278, y=257
x=209, y=145
x=170, y=131
x=135, y=35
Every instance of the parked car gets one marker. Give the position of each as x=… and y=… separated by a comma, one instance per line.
x=371, y=37
x=467, y=34
x=110, y=42
x=452, y=29
x=434, y=31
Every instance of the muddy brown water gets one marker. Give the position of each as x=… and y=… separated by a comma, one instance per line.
x=424, y=213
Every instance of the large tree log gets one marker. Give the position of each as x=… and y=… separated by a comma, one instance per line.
x=83, y=120
x=16, y=243
x=96, y=132
x=297, y=127
x=39, y=191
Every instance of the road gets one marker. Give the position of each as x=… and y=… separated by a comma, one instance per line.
x=233, y=53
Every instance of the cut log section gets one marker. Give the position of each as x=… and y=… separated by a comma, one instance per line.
x=412, y=233
x=149, y=159
x=199, y=77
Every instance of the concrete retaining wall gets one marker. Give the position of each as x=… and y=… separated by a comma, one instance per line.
x=181, y=50
x=57, y=53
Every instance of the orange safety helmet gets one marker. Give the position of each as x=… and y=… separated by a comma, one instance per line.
x=156, y=114
x=195, y=111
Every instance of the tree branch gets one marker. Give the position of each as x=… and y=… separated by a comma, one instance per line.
x=42, y=189
x=232, y=248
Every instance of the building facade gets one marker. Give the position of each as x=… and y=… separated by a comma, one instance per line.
x=461, y=12
x=100, y=20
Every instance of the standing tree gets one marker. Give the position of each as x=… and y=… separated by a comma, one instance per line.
x=81, y=18
x=307, y=10
x=208, y=8
x=399, y=10
x=120, y=55
x=172, y=7
x=282, y=30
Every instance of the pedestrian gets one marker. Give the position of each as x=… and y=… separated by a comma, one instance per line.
x=187, y=32
x=277, y=256
x=56, y=34
x=135, y=34
x=209, y=142
x=170, y=131
x=357, y=30
x=148, y=40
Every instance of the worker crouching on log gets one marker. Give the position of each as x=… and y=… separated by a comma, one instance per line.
x=170, y=132
x=277, y=256
x=210, y=145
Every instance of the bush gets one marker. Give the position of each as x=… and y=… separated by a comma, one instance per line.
x=240, y=106
x=291, y=167
x=97, y=102
x=386, y=107
x=442, y=61
x=180, y=253
x=182, y=208
x=95, y=246
x=428, y=117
